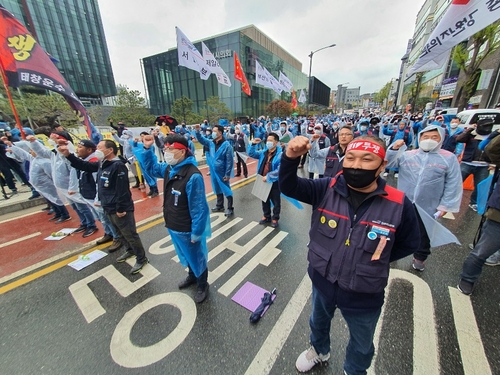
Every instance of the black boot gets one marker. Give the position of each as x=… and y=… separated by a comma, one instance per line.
x=137, y=183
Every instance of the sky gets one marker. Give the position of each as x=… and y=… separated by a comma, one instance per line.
x=370, y=35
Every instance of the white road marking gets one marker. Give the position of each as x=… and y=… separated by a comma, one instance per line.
x=269, y=351
x=425, y=341
x=471, y=348
x=86, y=300
x=20, y=239
x=265, y=256
x=126, y=354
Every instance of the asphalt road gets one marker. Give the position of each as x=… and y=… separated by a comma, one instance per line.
x=101, y=320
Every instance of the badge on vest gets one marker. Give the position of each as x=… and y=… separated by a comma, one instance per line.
x=176, y=194
x=379, y=231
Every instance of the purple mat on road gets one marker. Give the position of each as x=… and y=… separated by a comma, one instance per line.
x=249, y=296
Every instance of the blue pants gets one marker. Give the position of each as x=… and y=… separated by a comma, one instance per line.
x=480, y=173
x=60, y=211
x=99, y=214
x=83, y=211
x=362, y=324
x=488, y=244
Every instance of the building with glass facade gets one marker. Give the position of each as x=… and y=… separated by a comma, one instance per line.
x=71, y=31
x=166, y=81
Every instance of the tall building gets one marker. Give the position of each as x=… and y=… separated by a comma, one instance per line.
x=166, y=81
x=71, y=31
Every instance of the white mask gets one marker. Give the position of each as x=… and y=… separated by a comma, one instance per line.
x=453, y=125
x=317, y=131
x=169, y=158
x=99, y=155
x=363, y=128
x=269, y=145
x=428, y=145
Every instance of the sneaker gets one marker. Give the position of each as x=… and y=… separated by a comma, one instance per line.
x=493, y=260
x=473, y=206
x=471, y=246
x=50, y=211
x=122, y=258
x=89, y=231
x=217, y=209
x=154, y=194
x=396, y=175
x=62, y=219
x=385, y=174
x=139, y=266
x=187, y=282
x=229, y=212
x=309, y=358
x=114, y=246
x=465, y=287
x=274, y=224
x=208, y=173
x=104, y=239
x=237, y=175
x=54, y=218
x=418, y=265
x=81, y=228
x=201, y=294
x=151, y=192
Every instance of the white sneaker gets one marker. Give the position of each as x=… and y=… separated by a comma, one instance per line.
x=396, y=175
x=385, y=174
x=494, y=259
x=309, y=358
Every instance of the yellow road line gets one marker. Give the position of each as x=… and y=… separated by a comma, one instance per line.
x=65, y=262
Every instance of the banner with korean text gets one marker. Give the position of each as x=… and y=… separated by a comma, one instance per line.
x=190, y=57
x=463, y=19
x=26, y=63
x=214, y=66
x=285, y=82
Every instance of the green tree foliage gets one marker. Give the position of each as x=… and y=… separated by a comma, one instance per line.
x=43, y=108
x=382, y=94
x=469, y=59
x=279, y=108
x=217, y=110
x=131, y=108
x=182, y=110
x=420, y=103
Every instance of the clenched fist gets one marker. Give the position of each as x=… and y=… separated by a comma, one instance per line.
x=297, y=147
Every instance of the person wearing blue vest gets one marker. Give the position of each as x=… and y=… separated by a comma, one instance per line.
x=220, y=161
x=359, y=225
x=268, y=168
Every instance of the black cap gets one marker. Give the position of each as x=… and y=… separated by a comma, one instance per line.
x=485, y=126
x=88, y=144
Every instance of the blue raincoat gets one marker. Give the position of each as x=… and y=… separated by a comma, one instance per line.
x=221, y=164
x=191, y=247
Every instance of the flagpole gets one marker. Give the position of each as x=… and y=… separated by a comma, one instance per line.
x=11, y=101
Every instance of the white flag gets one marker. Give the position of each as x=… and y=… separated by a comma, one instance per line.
x=463, y=19
x=214, y=66
x=190, y=57
x=275, y=84
x=285, y=82
x=261, y=77
x=302, y=97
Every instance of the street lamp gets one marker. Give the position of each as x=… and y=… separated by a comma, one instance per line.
x=310, y=68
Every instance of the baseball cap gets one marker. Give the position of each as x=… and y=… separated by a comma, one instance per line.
x=87, y=144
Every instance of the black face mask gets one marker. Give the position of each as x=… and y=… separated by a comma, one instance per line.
x=359, y=178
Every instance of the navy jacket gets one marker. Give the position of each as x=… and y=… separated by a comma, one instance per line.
x=331, y=279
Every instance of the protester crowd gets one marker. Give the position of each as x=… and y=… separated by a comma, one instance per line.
x=359, y=223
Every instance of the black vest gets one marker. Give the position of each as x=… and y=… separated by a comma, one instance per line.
x=239, y=144
x=333, y=162
x=175, y=201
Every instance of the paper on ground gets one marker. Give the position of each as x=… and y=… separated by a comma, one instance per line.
x=86, y=260
x=66, y=231
x=249, y=296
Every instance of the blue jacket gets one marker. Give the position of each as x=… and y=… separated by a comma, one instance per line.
x=272, y=175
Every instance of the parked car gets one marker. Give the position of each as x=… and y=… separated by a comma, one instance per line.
x=472, y=116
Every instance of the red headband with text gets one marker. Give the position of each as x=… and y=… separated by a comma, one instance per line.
x=176, y=145
x=368, y=146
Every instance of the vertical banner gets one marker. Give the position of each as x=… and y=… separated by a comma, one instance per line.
x=285, y=82
x=190, y=57
x=214, y=66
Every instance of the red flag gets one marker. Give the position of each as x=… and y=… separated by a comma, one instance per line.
x=26, y=63
x=294, y=99
x=240, y=76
